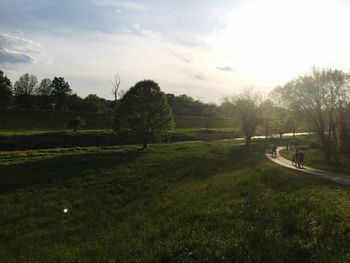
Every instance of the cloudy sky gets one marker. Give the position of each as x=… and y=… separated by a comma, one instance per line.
x=206, y=49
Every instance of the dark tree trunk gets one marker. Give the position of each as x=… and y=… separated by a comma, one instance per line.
x=144, y=145
x=248, y=140
x=326, y=149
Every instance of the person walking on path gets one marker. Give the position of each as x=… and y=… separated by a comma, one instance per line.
x=301, y=160
x=295, y=158
x=274, y=151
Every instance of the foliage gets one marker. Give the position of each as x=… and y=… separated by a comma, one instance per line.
x=92, y=103
x=49, y=120
x=76, y=123
x=5, y=91
x=144, y=111
x=319, y=96
x=44, y=94
x=184, y=105
x=60, y=92
x=247, y=108
x=24, y=90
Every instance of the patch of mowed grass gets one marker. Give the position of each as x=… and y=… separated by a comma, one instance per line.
x=195, y=202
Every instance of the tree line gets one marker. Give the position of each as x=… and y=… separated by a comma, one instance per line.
x=320, y=98
x=28, y=93
x=318, y=101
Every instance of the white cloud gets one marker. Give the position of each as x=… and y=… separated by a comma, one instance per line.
x=11, y=57
x=121, y=4
x=14, y=50
x=226, y=68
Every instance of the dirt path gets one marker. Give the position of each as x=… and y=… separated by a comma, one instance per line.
x=336, y=177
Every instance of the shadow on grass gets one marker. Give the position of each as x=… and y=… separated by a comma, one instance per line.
x=13, y=177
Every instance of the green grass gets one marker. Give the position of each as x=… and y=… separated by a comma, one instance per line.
x=211, y=201
x=67, y=131
x=315, y=159
x=37, y=139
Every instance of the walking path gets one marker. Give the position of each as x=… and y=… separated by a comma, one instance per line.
x=336, y=177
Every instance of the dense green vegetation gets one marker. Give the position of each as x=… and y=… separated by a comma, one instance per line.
x=210, y=201
x=144, y=113
x=51, y=120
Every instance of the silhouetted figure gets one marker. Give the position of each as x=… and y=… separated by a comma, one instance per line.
x=274, y=151
x=295, y=159
x=301, y=160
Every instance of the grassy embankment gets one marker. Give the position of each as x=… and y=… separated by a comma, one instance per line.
x=314, y=158
x=54, y=120
x=210, y=201
x=19, y=140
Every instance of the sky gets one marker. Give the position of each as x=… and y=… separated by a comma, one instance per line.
x=206, y=49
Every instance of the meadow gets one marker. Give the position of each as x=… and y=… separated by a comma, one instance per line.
x=213, y=201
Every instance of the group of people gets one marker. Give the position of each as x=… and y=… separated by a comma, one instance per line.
x=298, y=159
x=273, y=151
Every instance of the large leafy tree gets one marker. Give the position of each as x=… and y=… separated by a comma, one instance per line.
x=60, y=91
x=319, y=96
x=144, y=111
x=5, y=91
x=44, y=92
x=24, y=90
x=92, y=103
x=247, y=108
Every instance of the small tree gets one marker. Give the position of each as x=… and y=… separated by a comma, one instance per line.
x=24, y=90
x=44, y=92
x=247, y=109
x=76, y=123
x=116, y=86
x=60, y=92
x=144, y=111
x=5, y=91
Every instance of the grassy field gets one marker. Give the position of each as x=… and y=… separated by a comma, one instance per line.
x=196, y=202
x=315, y=158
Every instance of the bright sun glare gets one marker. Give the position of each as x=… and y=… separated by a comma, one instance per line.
x=277, y=40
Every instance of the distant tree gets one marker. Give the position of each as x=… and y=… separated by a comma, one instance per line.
x=60, y=92
x=5, y=91
x=44, y=94
x=318, y=96
x=92, y=103
x=74, y=103
x=268, y=117
x=24, y=90
x=45, y=88
x=116, y=87
x=76, y=123
x=247, y=108
x=184, y=105
x=144, y=111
